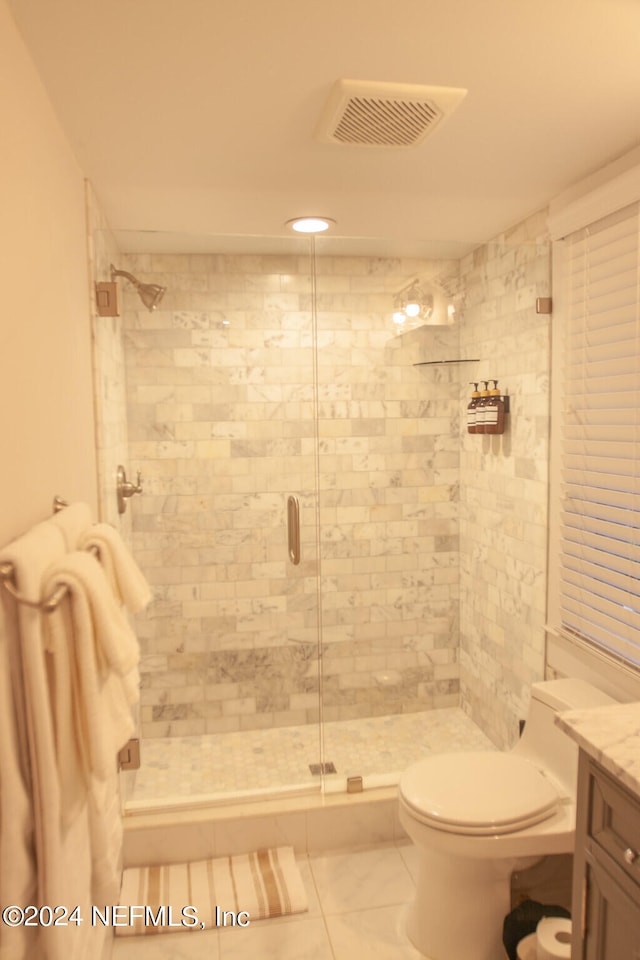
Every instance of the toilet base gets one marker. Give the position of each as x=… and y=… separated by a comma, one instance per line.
x=460, y=906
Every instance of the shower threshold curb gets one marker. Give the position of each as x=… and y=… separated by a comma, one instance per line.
x=311, y=823
x=203, y=809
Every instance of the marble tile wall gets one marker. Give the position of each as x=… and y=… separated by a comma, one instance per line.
x=503, y=481
x=389, y=456
x=222, y=424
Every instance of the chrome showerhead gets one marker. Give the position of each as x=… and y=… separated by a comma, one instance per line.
x=150, y=293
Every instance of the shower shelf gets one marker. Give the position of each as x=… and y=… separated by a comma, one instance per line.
x=430, y=363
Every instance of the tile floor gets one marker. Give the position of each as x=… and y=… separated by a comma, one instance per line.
x=358, y=902
x=263, y=761
x=358, y=899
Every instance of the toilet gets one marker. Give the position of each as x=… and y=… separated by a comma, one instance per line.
x=475, y=817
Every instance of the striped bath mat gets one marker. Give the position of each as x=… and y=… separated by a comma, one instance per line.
x=228, y=891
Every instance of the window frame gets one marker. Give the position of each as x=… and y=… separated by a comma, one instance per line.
x=568, y=653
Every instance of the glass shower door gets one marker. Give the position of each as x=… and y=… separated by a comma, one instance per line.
x=221, y=411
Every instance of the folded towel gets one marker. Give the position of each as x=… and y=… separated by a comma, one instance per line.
x=72, y=522
x=125, y=576
x=90, y=637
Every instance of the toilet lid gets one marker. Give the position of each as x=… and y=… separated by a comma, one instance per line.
x=479, y=793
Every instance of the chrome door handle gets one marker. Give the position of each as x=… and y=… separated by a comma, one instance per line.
x=293, y=528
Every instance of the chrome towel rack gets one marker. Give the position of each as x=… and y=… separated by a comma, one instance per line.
x=50, y=603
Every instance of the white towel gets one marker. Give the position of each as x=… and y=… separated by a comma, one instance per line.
x=91, y=630
x=30, y=555
x=17, y=845
x=76, y=857
x=70, y=739
x=105, y=827
x=125, y=576
x=72, y=522
x=93, y=644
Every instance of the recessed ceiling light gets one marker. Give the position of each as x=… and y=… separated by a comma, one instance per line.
x=310, y=224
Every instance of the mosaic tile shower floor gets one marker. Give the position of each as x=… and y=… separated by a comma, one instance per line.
x=262, y=762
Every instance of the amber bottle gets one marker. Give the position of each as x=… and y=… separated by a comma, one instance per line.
x=494, y=411
x=472, y=408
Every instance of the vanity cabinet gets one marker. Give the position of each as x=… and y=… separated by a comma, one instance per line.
x=606, y=880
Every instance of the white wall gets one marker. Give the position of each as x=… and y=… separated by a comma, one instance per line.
x=48, y=439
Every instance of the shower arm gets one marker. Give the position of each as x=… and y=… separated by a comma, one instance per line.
x=123, y=273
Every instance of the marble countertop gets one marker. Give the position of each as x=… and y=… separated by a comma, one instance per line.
x=611, y=735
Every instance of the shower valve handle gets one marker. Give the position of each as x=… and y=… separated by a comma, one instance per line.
x=125, y=488
x=137, y=488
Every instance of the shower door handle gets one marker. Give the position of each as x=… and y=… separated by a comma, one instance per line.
x=293, y=528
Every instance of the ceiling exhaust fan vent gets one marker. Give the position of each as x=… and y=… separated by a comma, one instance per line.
x=365, y=113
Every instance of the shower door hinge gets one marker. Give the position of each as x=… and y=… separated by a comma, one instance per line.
x=129, y=756
x=317, y=769
x=544, y=305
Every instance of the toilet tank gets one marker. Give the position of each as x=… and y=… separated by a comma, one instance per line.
x=542, y=741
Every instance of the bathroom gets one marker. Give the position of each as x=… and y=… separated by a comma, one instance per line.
x=489, y=503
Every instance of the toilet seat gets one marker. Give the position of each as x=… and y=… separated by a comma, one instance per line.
x=479, y=793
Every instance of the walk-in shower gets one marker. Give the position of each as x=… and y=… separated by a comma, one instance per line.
x=274, y=370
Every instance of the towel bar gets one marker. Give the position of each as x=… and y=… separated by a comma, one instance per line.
x=49, y=603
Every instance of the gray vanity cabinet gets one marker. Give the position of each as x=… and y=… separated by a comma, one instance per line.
x=606, y=879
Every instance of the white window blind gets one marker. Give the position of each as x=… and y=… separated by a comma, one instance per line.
x=598, y=589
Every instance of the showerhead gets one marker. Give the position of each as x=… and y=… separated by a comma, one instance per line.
x=150, y=293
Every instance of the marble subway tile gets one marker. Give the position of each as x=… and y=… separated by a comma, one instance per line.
x=233, y=413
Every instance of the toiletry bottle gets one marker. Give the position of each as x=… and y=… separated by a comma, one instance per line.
x=480, y=409
x=495, y=410
x=472, y=409
x=491, y=408
x=503, y=410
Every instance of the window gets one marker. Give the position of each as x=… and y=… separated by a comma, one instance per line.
x=595, y=505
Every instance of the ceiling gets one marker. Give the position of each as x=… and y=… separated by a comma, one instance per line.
x=197, y=117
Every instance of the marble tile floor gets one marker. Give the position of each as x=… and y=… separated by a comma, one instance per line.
x=266, y=761
x=358, y=902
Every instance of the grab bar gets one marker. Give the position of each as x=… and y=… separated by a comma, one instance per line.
x=293, y=527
